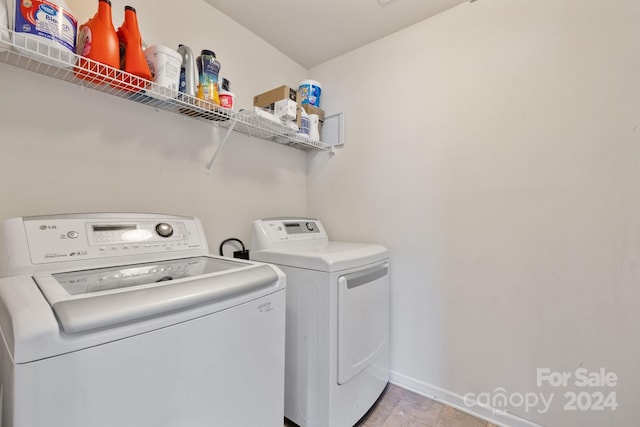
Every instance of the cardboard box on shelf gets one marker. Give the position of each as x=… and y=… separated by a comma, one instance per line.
x=267, y=99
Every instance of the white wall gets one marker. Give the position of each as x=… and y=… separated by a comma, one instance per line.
x=67, y=149
x=495, y=149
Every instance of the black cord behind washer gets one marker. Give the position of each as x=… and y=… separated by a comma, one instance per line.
x=243, y=254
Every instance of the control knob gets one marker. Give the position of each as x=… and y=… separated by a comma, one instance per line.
x=311, y=226
x=164, y=229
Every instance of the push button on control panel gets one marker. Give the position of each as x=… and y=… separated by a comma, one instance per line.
x=72, y=234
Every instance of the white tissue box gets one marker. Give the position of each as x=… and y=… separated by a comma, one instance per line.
x=285, y=109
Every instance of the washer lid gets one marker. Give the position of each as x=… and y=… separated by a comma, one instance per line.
x=106, y=297
x=126, y=276
x=335, y=256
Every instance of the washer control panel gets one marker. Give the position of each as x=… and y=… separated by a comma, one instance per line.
x=135, y=232
x=64, y=238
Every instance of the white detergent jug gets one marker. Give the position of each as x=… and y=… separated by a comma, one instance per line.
x=4, y=25
x=45, y=30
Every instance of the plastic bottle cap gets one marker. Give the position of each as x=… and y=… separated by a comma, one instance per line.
x=130, y=8
x=208, y=52
x=106, y=1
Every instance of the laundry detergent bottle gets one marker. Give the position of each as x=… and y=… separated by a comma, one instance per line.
x=208, y=71
x=132, y=59
x=98, y=41
x=188, y=71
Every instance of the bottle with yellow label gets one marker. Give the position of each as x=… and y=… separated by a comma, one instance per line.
x=208, y=72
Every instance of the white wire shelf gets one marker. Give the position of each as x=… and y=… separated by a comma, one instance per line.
x=33, y=55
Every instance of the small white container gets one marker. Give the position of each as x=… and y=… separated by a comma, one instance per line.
x=227, y=99
x=165, y=66
x=304, y=123
x=314, y=127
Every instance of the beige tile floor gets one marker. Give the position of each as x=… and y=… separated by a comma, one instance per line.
x=398, y=407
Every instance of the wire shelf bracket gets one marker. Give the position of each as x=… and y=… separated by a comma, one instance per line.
x=219, y=146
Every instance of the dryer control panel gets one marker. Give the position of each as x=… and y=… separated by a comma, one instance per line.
x=285, y=232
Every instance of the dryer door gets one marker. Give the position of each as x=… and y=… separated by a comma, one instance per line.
x=363, y=319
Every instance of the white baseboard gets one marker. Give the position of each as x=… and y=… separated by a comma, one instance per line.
x=497, y=417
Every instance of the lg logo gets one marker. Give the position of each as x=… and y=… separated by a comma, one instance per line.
x=47, y=227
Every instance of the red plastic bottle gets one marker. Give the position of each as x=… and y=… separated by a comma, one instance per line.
x=98, y=41
x=132, y=59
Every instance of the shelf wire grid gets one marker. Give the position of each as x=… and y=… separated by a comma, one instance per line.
x=31, y=54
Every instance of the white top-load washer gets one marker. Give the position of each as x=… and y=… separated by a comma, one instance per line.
x=337, y=342
x=126, y=320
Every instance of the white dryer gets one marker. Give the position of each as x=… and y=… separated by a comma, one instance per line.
x=337, y=327
x=126, y=320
